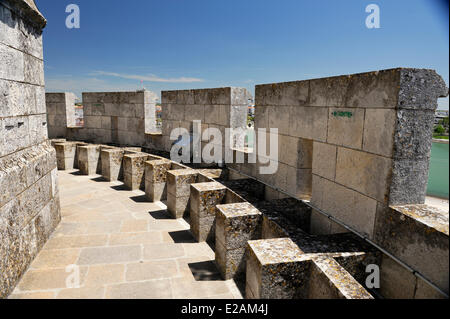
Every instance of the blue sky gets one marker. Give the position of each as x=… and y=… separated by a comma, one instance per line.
x=183, y=44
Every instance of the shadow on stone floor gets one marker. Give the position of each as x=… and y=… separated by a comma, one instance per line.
x=99, y=179
x=205, y=271
x=140, y=199
x=161, y=214
x=121, y=188
x=76, y=173
x=182, y=237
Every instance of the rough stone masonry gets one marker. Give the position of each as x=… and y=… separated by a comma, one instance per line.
x=29, y=199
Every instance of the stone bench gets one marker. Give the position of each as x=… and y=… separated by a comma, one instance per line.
x=279, y=269
x=112, y=166
x=236, y=224
x=178, y=191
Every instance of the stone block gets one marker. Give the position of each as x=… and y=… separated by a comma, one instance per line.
x=203, y=200
x=179, y=206
x=65, y=155
x=88, y=159
x=328, y=92
x=366, y=173
x=413, y=134
x=156, y=178
x=112, y=168
x=379, y=128
x=295, y=152
x=354, y=209
x=77, y=152
x=279, y=118
x=308, y=122
x=179, y=181
x=195, y=113
x=329, y=280
x=134, y=170
x=416, y=234
x=373, y=89
x=324, y=160
x=345, y=127
x=420, y=89
x=236, y=224
x=276, y=269
x=288, y=93
x=178, y=191
x=13, y=64
x=212, y=114
x=396, y=282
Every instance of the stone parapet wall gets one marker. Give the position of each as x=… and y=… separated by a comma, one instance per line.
x=29, y=197
x=120, y=118
x=218, y=108
x=60, y=113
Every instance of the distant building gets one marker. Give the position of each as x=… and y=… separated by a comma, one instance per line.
x=79, y=117
x=439, y=115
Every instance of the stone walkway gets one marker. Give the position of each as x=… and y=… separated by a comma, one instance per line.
x=122, y=247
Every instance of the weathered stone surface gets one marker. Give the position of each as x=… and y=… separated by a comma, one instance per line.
x=324, y=160
x=420, y=89
x=329, y=280
x=308, y=122
x=155, y=179
x=236, y=224
x=65, y=155
x=351, y=207
x=373, y=89
x=270, y=263
x=134, y=170
x=416, y=234
x=329, y=92
x=203, y=200
x=29, y=203
x=88, y=159
x=366, y=173
x=379, y=127
x=112, y=168
x=345, y=127
x=178, y=191
x=279, y=269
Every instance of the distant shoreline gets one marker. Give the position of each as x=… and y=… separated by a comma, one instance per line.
x=436, y=140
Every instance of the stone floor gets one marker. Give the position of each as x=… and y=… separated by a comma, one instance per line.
x=112, y=243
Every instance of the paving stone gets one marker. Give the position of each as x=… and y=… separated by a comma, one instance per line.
x=100, y=275
x=81, y=293
x=163, y=251
x=105, y=255
x=152, y=237
x=156, y=289
x=151, y=270
x=55, y=258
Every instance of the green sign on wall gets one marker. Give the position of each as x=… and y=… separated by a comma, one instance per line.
x=342, y=114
